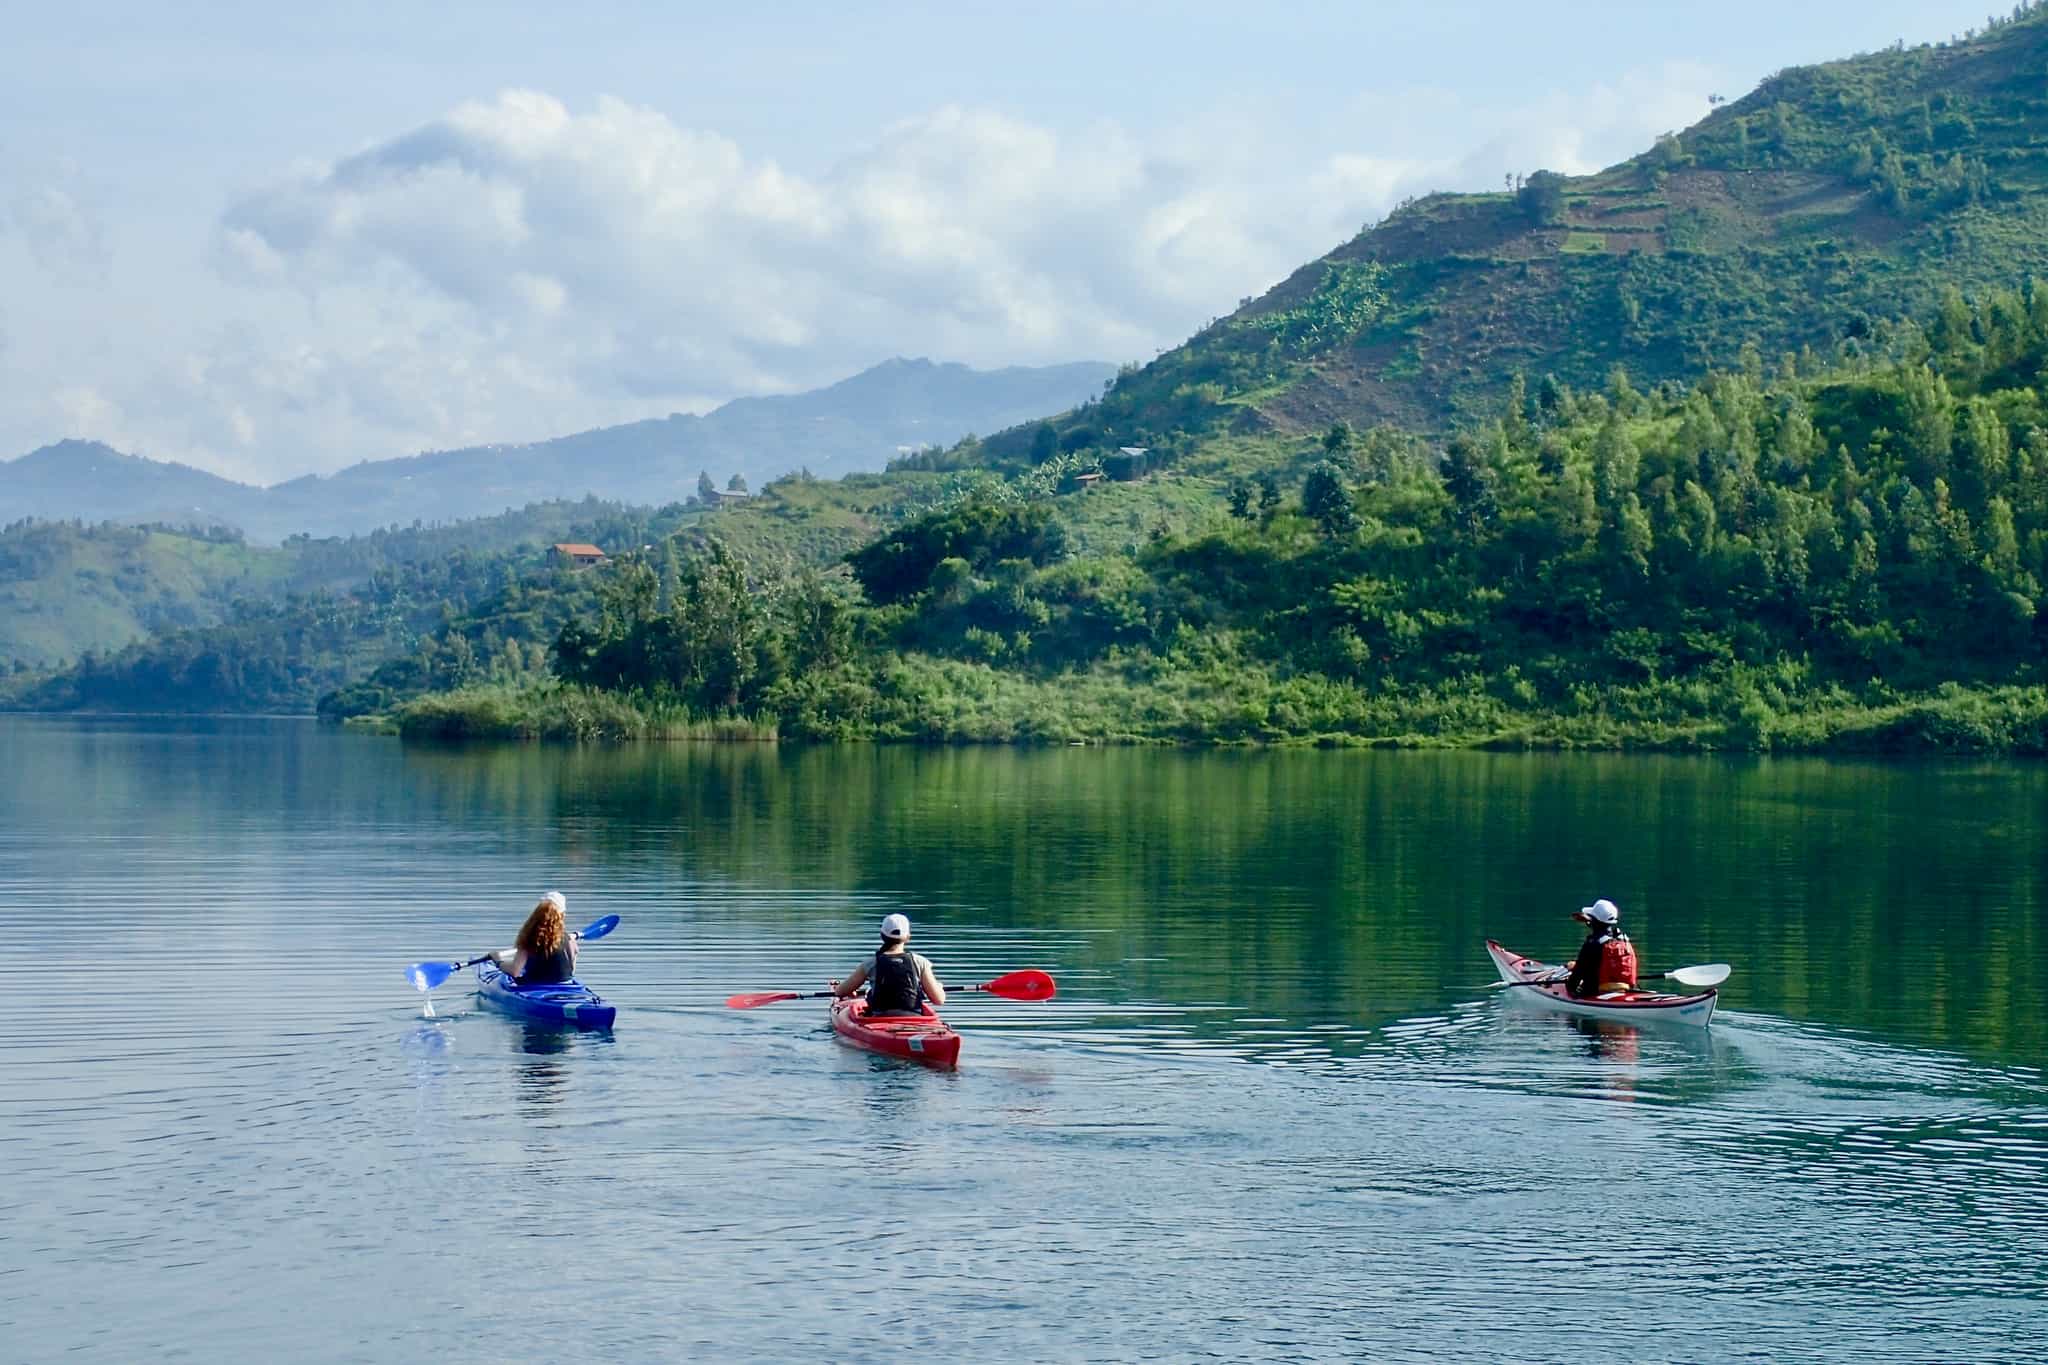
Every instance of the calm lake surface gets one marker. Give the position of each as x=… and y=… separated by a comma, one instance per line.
x=1273, y=1113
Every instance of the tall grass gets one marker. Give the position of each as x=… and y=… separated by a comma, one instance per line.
x=921, y=699
x=560, y=712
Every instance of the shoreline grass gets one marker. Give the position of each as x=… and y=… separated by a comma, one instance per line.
x=921, y=700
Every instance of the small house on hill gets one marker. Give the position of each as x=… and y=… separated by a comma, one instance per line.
x=712, y=497
x=582, y=556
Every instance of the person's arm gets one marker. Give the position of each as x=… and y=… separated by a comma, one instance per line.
x=1584, y=978
x=929, y=979
x=854, y=981
x=574, y=948
x=503, y=957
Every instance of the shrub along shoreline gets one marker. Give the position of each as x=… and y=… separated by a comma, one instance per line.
x=980, y=705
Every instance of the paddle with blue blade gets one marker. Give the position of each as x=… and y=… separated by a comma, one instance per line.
x=427, y=975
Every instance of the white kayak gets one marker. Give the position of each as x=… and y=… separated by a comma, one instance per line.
x=1526, y=984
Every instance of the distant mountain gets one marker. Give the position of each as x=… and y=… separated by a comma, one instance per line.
x=94, y=482
x=857, y=424
x=1825, y=204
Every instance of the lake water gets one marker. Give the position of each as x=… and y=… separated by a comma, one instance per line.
x=1273, y=1114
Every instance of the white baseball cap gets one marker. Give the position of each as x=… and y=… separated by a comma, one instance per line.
x=1600, y=912
x=558, y=900
x=895, y=926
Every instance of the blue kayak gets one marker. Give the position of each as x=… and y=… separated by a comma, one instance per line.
x=569, y=1002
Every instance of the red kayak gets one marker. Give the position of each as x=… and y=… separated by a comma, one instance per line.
x=1527, y=976
x=916, y=1037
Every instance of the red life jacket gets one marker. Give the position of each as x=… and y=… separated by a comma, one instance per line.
x=1618, y=964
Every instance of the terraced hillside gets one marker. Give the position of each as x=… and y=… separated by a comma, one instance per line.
x=1826, y=204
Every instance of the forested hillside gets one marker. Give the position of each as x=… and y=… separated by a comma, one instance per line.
x=445, y=605
x=69, y=588
x=1774, y=557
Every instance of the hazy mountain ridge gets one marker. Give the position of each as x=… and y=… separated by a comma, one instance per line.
x=856, y=424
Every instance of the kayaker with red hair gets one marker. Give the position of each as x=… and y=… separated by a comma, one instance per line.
x=544, y=954
x=898, y=980
x=1606, y=960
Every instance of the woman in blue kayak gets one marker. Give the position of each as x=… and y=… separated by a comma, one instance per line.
x=544, y=954
x=898, y=980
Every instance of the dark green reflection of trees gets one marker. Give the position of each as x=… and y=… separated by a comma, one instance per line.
x=1318, y=887
x=1355, y=886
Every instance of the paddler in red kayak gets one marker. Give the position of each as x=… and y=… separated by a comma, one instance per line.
x=898, y=980
x=1606, y=960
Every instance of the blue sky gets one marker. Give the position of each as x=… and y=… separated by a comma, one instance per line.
x=268, y=242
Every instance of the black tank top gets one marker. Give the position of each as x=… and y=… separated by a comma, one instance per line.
x=893, y=984
x=549, y=969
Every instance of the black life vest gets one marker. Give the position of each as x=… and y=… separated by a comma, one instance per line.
x=549, y=969
x=894, y=984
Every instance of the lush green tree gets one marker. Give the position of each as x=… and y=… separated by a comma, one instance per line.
x=1326, y=499
x=980, y=532
x=1241, y=494
x=1541, y=197
x=1045, y=443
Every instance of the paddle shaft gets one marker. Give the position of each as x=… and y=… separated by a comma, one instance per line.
x=1030, y=984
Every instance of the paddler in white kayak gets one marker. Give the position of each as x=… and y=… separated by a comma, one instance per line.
x=544, y=954
x=898, y=980
x=1606, y=960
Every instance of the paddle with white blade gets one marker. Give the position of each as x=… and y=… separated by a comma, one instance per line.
x=1708, y=974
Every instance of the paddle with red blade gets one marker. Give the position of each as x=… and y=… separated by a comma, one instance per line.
x=1030, y=984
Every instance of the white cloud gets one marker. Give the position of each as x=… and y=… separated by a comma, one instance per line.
x=1589, y=130
x=518, y=268
x=646, y=260
x=55, y=217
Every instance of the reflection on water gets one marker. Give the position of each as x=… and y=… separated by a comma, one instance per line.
x=1272, y=1061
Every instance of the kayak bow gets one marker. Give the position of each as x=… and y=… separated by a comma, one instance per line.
x=570, y=1003
x=915, y=1037
x=1629, y=1007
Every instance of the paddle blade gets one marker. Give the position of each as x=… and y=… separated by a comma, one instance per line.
x=427, y=975
x=599, y=928
x=1712, y=974
x=1030, y=984
x=747, y=1002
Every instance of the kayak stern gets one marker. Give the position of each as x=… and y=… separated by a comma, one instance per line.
x=916, y=1037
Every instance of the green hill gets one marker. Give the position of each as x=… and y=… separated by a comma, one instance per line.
x=277, y=629
x=68, y=588
x=1829, y=201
